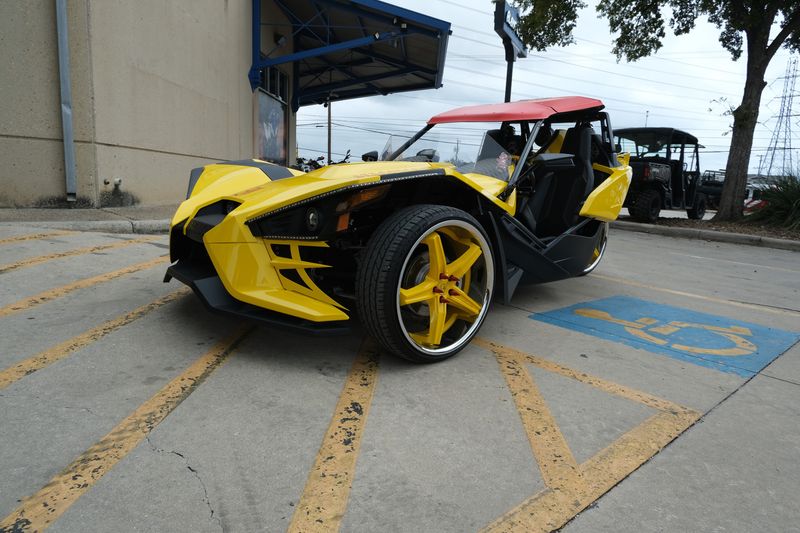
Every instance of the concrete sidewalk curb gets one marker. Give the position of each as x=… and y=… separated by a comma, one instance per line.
x=105, y=226
x=162, y=226
x=709, y=235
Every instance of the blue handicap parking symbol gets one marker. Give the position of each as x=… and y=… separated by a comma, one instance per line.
x=707, y=340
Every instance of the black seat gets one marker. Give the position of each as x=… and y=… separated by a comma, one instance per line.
x=570, y=187
x=578, y=141
x=601, y=156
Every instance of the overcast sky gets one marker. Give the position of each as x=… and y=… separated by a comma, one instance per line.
x=678, y=86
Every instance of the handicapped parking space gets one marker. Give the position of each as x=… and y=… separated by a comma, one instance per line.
x=721, y=343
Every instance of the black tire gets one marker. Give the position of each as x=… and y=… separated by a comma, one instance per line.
x=698, y=211
x=646, y=206
x=599, y=250
x=397, y=264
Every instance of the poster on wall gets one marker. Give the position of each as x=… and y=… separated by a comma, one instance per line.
x=270, y=129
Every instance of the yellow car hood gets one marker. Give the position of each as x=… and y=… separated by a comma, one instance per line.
x=258, y=194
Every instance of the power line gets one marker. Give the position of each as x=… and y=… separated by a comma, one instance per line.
x=662, y=72
x=610, y=99
x=595, y=82
x=705, y=67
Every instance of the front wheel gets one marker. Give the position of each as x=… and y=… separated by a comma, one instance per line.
x=425, y=282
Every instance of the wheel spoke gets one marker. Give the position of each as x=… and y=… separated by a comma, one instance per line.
x=467, y=307
x=438, y=313
x=461, y=266
x=419, y=293
x=435, y=254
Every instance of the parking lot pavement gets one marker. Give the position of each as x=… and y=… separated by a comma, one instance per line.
x=659, y=393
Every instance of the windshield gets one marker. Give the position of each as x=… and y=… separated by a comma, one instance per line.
x=488, y=148
x=645, y=144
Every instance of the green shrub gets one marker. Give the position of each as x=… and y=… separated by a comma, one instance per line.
x=782, y=206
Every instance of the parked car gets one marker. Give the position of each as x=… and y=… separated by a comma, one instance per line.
x=415, y=245
x=666, y=172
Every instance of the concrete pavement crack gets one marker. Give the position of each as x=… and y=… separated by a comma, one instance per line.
x=213, y=515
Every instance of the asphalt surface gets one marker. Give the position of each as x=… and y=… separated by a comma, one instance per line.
x=659, y=393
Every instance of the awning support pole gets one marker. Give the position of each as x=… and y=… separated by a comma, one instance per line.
x=66, y=100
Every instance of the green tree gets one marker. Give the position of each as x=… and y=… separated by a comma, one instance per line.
x=640, y=26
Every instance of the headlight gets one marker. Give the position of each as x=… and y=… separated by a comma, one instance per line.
x=313, y=219
x=316, y=218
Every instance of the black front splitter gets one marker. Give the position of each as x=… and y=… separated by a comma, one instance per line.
x=216, y=298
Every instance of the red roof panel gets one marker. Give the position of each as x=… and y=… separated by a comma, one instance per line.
x=538, y=109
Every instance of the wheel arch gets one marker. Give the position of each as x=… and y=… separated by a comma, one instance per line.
x=445, y=190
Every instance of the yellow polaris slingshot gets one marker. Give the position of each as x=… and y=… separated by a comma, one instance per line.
x=482, y=199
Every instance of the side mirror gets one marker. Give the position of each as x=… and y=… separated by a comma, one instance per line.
x=617, y=148
x=370, y=156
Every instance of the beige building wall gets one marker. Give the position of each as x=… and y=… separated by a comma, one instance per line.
x=158, y=89
x=31, y=148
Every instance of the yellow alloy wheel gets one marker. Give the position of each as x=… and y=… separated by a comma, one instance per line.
x=436, y=264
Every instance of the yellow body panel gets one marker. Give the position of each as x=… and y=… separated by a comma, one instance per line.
x=555, y=146
x=259, y=195
x=218, y=182
x=248, y=275
x=605, y=202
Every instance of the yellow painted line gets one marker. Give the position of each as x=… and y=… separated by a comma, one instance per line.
x=744, y=305
x=64, y=349
x=324, y=499
x=35, y=236
x=567, y=495
x=599, y=383
x=550, y=448
x=58, y=292
x=69, y=253
x=40, y=510
x=638, y=445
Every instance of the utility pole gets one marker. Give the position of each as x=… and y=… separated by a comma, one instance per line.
x=781, y=141
x=646, y=116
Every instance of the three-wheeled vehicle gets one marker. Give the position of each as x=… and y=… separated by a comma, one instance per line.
x=482, y=199
x=666, y=172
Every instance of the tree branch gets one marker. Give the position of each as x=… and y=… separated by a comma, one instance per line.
x=793, y=24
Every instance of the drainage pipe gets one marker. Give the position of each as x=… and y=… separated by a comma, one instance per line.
x=66, y=99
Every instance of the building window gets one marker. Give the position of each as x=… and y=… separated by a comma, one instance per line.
x=275, y=83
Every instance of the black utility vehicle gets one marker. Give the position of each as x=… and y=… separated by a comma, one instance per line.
x=666, y=172
x=711, y=186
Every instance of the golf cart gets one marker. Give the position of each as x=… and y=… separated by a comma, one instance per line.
x=666, y=172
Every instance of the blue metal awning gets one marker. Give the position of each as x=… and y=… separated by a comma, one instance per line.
x=353, y=48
